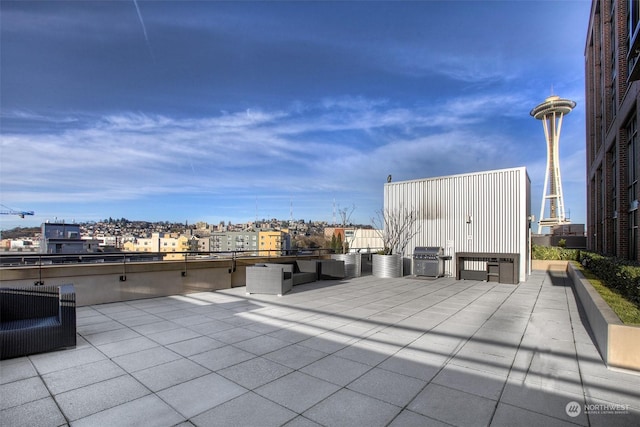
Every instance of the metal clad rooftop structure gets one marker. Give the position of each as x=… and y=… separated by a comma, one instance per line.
x=474, y=212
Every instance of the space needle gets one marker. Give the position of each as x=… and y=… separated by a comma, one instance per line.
x=551, y=112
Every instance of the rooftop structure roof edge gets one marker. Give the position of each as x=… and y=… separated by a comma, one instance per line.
x=486, y=172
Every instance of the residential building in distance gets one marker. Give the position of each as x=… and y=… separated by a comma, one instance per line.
x=366, y=240
x=173, y=246
x=341, y=232
x=274, y=243
x=357, y=239
x=201, y=238
x=234, y=241
x=612, y=71
x=20, y=245
x=203, y=244
x=261, y=243
x=61, y=238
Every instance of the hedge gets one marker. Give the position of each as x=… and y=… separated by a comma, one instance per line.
x=554, y=253
x=620, y=275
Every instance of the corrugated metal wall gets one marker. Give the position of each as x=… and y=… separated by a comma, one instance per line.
x=475, y=212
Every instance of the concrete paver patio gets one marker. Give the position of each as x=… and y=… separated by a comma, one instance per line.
x=358, y=352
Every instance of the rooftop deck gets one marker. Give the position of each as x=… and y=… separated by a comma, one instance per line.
x=364, y=351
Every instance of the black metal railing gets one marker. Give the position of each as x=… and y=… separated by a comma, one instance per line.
x=19, y=259
x=37, y=259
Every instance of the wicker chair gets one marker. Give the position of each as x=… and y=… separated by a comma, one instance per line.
x=37, y=319
x=271, y=279
x=331, y=269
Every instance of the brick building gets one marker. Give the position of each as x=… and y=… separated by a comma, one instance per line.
x=612, y=74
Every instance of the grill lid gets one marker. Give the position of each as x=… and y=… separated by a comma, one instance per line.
x=428, y=252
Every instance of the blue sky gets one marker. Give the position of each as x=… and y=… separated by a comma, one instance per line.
x=228, y=111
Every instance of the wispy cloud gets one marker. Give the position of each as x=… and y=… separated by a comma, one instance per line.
x=476, y=68
x=144, y=29
x=131, y=156
x=31, y=116
x=274, y=101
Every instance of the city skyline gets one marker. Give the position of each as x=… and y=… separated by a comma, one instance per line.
x=225, y=111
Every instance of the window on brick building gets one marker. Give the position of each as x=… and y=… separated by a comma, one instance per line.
x=633, y=38
x=591, y=212
x=614, y=199
x=633, y=21
x=614, y=74
x=632, y=189
x=632, y=156
x=601, y=209
x=633, y=235
x=614, y=99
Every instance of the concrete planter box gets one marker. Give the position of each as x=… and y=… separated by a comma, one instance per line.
x=619, y=344
x=387, y=266
x=539, y=264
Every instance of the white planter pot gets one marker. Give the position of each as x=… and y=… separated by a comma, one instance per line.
x=387, y=266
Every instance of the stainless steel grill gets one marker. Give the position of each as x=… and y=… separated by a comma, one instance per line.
x=428, y=261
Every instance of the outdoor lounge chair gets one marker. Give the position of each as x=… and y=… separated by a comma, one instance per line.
x=305, y=271
x=301, y=271
x=331, y=269
x=36, y=319
x=273, y=279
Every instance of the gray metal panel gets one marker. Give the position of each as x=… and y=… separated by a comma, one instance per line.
x=387, y=266
x=475, y=212
x=352, y=263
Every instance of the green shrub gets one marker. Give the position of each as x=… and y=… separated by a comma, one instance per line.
x=620, y=275
x=628, y=312
x=554, y=253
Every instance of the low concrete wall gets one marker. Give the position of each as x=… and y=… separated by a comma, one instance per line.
x=619, y=344
x=113, y=282
x=104, y=283
x=545, y=265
